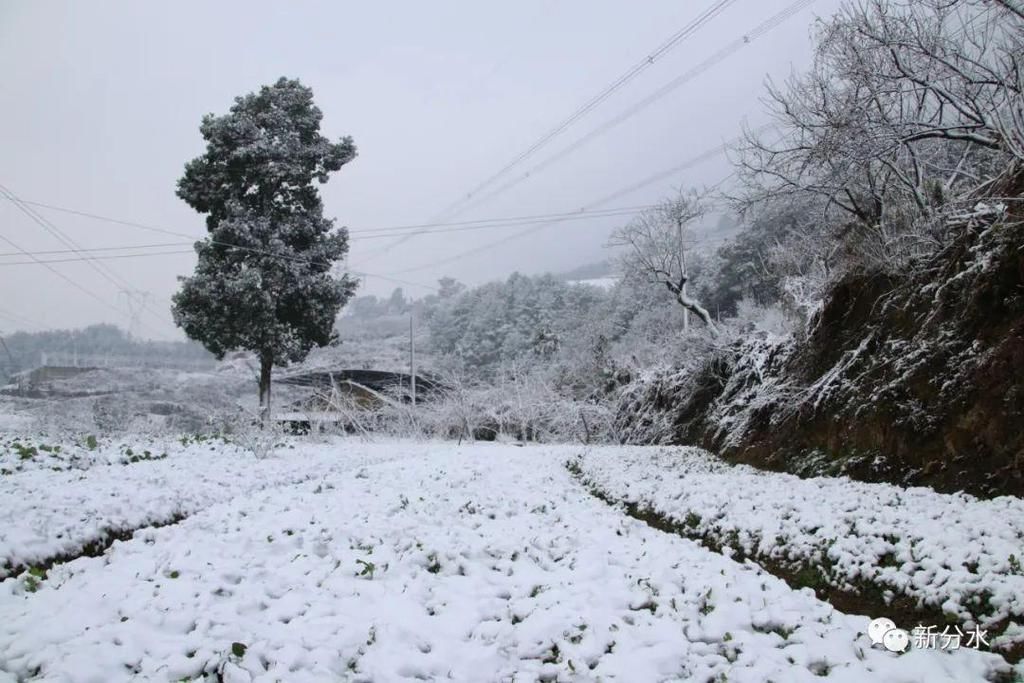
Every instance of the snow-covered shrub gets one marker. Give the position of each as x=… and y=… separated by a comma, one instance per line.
x=521, y=403
x=244, y=429
x=769, y=319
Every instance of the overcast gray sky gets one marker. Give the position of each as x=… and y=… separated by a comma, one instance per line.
x=101, y=104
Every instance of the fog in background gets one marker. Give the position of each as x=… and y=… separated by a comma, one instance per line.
x=101, y=106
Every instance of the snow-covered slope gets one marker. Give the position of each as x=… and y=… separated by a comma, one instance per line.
x=910, y=378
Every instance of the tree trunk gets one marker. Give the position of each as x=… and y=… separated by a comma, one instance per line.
x=266, y=365
x=690, y=304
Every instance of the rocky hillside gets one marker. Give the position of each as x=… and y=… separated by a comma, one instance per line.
x=914, y=378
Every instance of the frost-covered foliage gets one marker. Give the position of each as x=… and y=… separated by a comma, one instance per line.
x=264, y=278
x=882, y=222
x=519, y=402
x=523, y=317
x=904, y=379
x=541, y=359
x=276, y=296
x=713, y=394
x=910, y=110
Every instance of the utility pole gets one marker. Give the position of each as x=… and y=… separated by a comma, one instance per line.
x=412, y=360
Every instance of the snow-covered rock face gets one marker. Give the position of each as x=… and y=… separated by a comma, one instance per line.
x=399, y=561
x=911, y=378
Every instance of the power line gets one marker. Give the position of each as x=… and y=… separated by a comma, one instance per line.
x=544, y=220
x=615, y=85
x=63, y=238
x=388, y=278
x=574, y=216
x=47, y=225
x=74, y=259
x=48, y=252
x=537, y=221
x=729, y=49
x=470, y=225
x=151, y=228
x=679, y=36
x=64, y=277
x=649, y=180
x=108, y=257
x=559, y=217
x=668, y=172
x=353, y=233
x=479, y=222
x=108, y=219
x=719, y=56
x=87, y=257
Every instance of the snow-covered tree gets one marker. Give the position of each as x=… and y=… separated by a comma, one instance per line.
x=449, y=287
x=908, y=111
x=366, y=307
x=397, y=303
x=523, y=317
x=656, y=249
x=264, y=281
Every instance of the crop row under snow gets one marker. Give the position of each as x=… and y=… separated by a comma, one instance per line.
x=954, y=553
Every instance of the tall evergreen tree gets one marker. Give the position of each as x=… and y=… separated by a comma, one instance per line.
x=264, y=279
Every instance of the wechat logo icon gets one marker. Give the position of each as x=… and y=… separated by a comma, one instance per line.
x=883, y=631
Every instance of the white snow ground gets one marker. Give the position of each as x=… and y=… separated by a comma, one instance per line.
x=936, y=548
x=61, y=502
x=396, y=561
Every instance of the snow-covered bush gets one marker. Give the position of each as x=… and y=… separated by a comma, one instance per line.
x=521, y=403
x=244, y=430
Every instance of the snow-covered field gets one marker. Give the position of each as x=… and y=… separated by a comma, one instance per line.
x=956, y=553
x=395, y=561
x=63, y=501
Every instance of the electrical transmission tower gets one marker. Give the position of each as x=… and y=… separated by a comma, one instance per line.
x=136, y=301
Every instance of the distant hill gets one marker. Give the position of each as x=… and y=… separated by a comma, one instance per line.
x=590, y=271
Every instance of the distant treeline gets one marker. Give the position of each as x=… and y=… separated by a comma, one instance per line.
x=25, y=350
